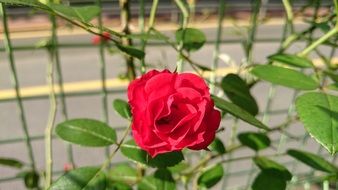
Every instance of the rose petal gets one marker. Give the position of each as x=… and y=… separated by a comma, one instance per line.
x=192, y=81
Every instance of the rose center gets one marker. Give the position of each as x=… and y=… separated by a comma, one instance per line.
x=177, y=112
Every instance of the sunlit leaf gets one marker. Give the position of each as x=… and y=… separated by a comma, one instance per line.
x=85, y=178
x=134, y=152
x=123, y=173
x=122, y=108
x=238, y=112
x=86, y=132
x=333, y=86
x=161, y=180
x=313, y=160
x=319, y=114
x=293, y=60
x=332, y=75
x=179, y=167
x=30, y=3
x=118, y=186
x=193, y=39
x=83, y=14
x=211, y=176
x=285, y=77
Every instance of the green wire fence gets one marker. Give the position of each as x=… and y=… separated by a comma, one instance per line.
x=187, y=14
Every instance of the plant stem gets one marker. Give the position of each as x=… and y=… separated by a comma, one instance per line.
x=214, y=65
x=104, y=93
x=54, y=39
x=252, y=31
x=184, y=24
x=150, y=26
x=250, y=157
x=15, y=83
x=125, y=21
x=289, y=14
x=142, y=30
x=316, y=43
x=52, y=51
x=107, y=162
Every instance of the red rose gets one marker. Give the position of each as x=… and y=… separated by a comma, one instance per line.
x=96, y=40
x=172, y=111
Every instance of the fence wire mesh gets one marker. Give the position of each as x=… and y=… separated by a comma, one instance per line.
x=82, y=80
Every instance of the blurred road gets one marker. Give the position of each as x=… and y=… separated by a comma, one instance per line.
x=82, y=66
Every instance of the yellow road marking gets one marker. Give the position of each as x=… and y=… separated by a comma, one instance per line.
x=73, y=87
x=114, y=83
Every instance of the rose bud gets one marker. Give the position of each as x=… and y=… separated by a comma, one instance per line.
x=67, y=167
x=172, y=111
x=97, y=39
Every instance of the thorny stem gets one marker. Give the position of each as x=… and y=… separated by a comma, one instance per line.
x=54, y=40
x=318, y=42
x=150, y=26
x=53, y=104
x=214, y=65
x=119, y=144
x=289, y=14
x=184, y=24
x=125, y=21
x=15, y=82
x=252, y=31
x=104, y=93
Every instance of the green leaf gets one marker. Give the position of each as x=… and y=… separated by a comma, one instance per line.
x=332, y=75
x=144, y=36
x=285, y=77
x=292, y=60
x=179, y=167
x=164, y=180
x=323, y=26
x=217, y=146
x=31, y=179
x=86, y=132
x=134, y=152
x=129, y=50
x=82, y=14
x=211, y=176
x=238, y=112
x=118, y=186
x=313, y=160
x=85, y=178
x=319, y=114
x=147, y=183
x=11, y=162
x=193, y=39
x=30, y=3
x=333, y=86
x=202, y=67
x=267, y=180
x=122, y=108
x=271, y=166
x=161, y=180
x=123, y=173
x=238, y=92
x=255, y=141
